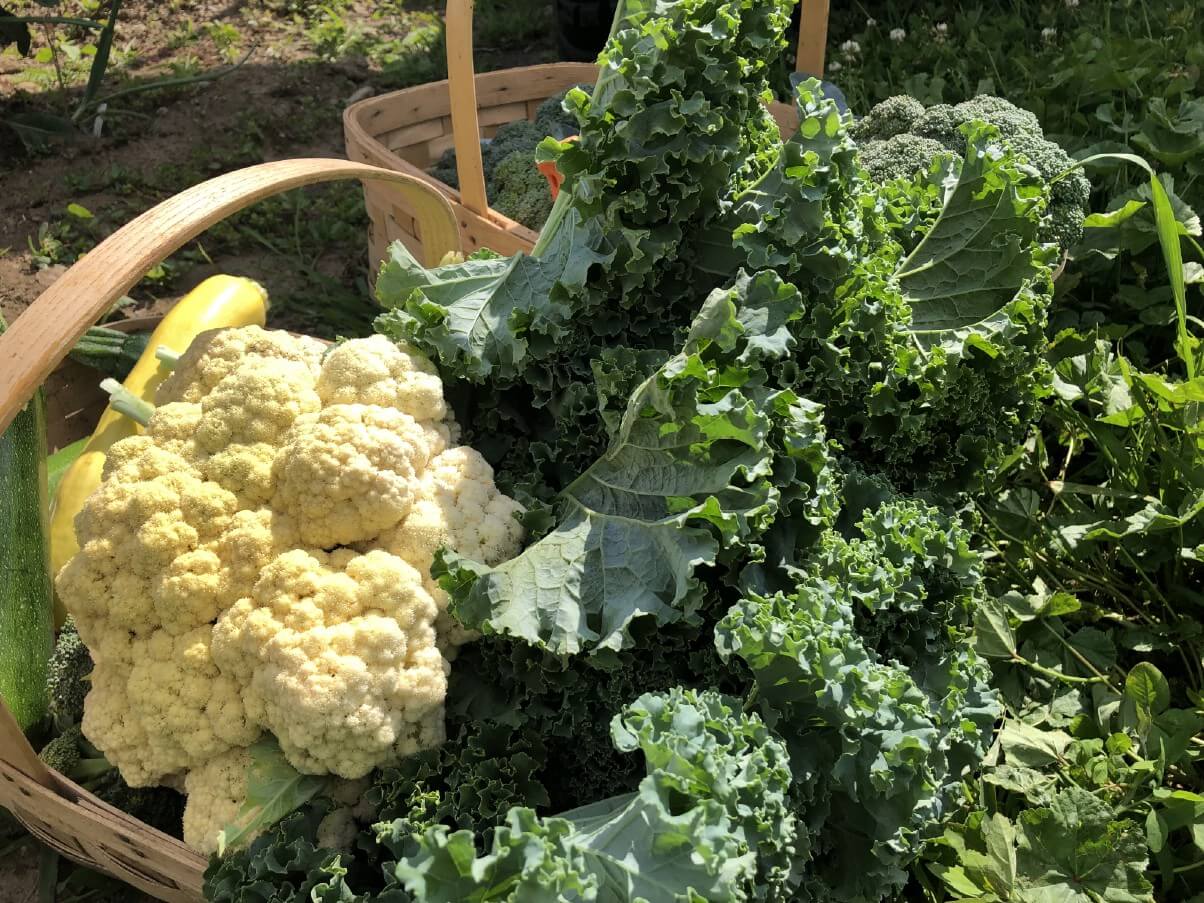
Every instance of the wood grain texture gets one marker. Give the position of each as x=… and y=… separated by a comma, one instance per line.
x=812, y=37
x=462, y=86
x=49, y=328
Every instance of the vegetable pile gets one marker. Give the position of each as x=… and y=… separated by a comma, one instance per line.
x=694, y=556
x=205, y=590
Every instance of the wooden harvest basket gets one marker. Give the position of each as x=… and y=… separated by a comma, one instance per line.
x=408, y=130
x=56, y=810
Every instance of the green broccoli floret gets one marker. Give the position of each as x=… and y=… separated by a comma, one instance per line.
x=553, y=119
x=898, y=157
x=519, y=137
x=512, y=139
x=521, y=192
x=891, y=117
x=68, y=676
x=884, y=152
x=62, y=753
x=444, y=169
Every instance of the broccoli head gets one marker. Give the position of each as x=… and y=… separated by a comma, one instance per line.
x=513, y=138
x=444, y=169
x=72, y=756
x=551, y=118
x=68, y=676
x=62, y=753
x=899, y=136
x=521, y=192
x=900, y=156
x=891, y=117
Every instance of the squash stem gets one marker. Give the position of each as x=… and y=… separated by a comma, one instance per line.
x=167, y=357
x=123, y=401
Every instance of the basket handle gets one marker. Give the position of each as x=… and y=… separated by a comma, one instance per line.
x=462, y=92
x=41, y=336
x=812, y=37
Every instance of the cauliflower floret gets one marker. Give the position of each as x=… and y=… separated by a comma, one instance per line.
x=245, y=470
x=256, y=404
x=338, y=655
x=216, y=353
x=379, y=372
x=350, y=472
x=174, y=427
x=456, y=506
x=170, y=711
x=130, y=533
x=216, y=792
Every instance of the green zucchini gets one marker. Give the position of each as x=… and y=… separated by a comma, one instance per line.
x=26, y=600
x=110, y=351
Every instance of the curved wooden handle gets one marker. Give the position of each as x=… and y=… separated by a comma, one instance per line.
x=462, y=88
x=41, y=337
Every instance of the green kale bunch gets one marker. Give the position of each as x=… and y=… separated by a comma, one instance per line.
x=864, y=665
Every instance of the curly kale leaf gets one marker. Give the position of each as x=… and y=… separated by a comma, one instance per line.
x=710, y=819
x=675, y=124
x=690, y=471
x=927, y=358
x=866, y=667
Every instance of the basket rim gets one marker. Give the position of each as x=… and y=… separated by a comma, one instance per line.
x=357, y=131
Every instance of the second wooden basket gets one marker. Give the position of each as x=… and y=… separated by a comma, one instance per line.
x=408, y=130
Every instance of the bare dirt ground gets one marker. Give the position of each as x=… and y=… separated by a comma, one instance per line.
x=306, y=61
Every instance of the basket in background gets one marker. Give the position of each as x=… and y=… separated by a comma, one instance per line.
x=409, y=130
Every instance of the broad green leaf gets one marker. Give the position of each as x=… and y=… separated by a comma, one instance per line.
x=274, y=789
x=1113, y=217
x=978, y=254
x=1030, y=746
x=1076, y=850
x=1148, y=688
x=993, y=632
x=58, y=463
x=1155, y=831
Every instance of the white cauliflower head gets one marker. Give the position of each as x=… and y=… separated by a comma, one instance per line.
x=258, y=560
